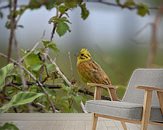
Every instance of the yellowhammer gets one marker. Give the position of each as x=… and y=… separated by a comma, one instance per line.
x=91, y=72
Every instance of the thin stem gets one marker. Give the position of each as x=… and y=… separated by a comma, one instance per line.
x=71, y=68
x=55, y=26
x=83, y=107
x=59, y=71
x=122, y=6
x=33, y=48
x=50, y=86
x=5, y=7
x=20, y=63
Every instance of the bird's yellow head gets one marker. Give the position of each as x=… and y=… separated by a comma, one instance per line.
x=83, y=55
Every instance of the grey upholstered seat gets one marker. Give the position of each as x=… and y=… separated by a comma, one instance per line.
x=132, y=111
x=131, y=106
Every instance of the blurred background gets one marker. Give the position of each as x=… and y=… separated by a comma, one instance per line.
x=114, y=36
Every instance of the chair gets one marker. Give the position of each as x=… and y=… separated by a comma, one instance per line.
x=142, y=103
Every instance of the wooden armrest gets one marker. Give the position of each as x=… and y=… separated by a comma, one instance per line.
x=147, y=88
x=98, y=88
x=101, y=85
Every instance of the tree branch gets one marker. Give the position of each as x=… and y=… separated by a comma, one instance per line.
x=85, y=92
x=59, y=71
x=4, y=7
x=122, y=6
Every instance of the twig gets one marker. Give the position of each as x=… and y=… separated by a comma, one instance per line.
x=20, y=63
x=55, y=25
x=14, y=85
x=86, y=92
x=142, y=29
x=71, y=68
x=12, y=4
x=34, y=78
x=59, y=71
x=33, y=83
x=83, y=107
x=46, y=78
x=33, y=48
x=122, y=6
x=4, y=7
x=92, y=94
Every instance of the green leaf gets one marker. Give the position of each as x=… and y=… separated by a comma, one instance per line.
x=62, y=28
x=50, y=67
x=31, y=60
x=62, y=9
x=71, y=3
x=36, y=67
x=4, y=72
x=59, y=2
x=129, y=3
x=8, y=126
x=117, y=1
x=55, y=19
x=142, y=9
x=34, y=4
x=51, y=45
x=20, y=99
x=84, y=11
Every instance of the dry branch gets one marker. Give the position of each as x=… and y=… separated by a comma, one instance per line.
x=59, y=71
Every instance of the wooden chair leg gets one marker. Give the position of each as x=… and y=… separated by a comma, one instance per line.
x=124, y=125
x=94, y=121
x=160, y=98
x=146, y=110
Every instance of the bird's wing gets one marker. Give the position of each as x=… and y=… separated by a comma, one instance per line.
x=100, y=74
x=92, y=72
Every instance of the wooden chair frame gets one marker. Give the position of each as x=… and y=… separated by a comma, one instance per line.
x=146, y=106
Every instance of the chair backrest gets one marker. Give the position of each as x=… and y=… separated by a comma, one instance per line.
x=147, y=77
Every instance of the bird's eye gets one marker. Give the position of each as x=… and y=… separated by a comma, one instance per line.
x=82, y=54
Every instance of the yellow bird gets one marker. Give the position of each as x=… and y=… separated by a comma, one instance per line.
x=91, y=72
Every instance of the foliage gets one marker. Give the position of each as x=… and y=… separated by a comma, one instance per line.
x=60, y=20
x=20, y=99
x=4, y=72
x=8, y=126
x=142, y=8
x=66, y=98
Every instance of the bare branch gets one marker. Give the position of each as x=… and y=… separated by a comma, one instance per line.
x=83, y=107
x=4, y=7
x=85, y=92
x=20, y=63
x=59, y=71
x=122, y=6
x=71, y=68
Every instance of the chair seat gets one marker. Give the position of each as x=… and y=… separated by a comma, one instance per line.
x=125, y=110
